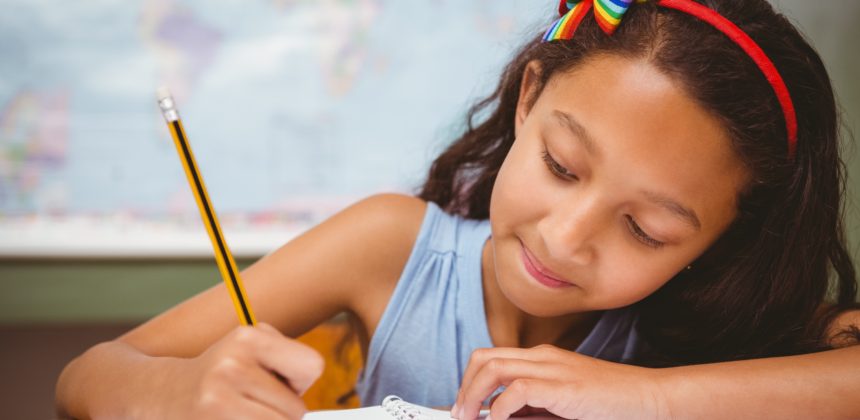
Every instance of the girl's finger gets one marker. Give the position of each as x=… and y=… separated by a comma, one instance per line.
x=235, y=406
x=481, y=356
x=501, y=372
x=264, y=387
x=525, y=411
x=256, y=411
x=299, y=364
x=531, y=394
x=477, y=360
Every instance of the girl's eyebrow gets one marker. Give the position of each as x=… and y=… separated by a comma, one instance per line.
x=579, y=132
x=685, y=213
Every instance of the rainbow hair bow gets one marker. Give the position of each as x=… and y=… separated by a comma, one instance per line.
x=608, y=14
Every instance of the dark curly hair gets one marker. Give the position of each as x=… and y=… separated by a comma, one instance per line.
x=776, y=279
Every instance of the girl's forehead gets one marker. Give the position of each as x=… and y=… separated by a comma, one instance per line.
x=628, y=86
x=629, y=102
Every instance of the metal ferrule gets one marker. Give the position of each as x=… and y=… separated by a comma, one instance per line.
x=168, y=109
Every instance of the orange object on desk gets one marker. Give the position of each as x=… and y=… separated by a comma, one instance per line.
x=335, y=389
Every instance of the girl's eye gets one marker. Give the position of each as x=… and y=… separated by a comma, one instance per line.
x=556, y=168
x=641, y=235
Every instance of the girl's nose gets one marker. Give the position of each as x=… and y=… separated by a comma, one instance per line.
x=570, y=231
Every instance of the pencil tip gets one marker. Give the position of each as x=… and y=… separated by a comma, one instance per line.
x=162, y=93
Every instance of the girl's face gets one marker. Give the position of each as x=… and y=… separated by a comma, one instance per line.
x=617, y=181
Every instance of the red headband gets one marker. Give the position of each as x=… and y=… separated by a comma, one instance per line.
x=610, y=12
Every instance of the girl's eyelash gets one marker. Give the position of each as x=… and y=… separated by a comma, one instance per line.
x=555, y=167
x=641, y=235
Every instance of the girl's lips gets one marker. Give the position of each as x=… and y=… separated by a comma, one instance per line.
x=540, y=273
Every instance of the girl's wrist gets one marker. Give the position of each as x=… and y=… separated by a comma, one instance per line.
x=130, y=385
x=699, y=391
x=672, y=392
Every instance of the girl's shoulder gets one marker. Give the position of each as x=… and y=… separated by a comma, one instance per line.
x=386, y=226
x=389, y=220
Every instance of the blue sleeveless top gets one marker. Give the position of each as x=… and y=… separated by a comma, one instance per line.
x=435, y=319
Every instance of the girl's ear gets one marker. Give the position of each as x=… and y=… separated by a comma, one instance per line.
x=529, y=88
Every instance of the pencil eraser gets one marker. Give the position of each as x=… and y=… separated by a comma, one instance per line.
x=162, y=93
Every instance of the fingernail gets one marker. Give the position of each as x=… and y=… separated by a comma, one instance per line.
x=460, y=414
x=455, y=411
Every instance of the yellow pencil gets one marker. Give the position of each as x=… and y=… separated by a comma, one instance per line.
x=226, y=264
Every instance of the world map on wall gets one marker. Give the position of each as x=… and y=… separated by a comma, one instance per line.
x=294, y=108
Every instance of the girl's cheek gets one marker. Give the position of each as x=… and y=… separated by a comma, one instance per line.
x=630, y=280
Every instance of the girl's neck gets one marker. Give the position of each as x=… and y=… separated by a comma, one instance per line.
x=511, y=327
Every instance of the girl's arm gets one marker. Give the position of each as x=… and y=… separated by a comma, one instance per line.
x=350, y=262
x=570, y=385
x=822, y=385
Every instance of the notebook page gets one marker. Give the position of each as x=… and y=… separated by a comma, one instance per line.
x=370, y=413
x=395, y=408
x=378, y=413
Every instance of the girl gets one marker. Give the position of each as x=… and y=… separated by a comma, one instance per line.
x=644, y=225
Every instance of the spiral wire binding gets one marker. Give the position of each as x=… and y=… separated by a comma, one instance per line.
x=402, y=410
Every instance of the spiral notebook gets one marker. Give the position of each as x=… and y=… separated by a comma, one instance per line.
x=394, y=408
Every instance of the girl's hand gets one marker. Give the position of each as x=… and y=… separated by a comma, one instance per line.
x=561, y=382
x=253, y=372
